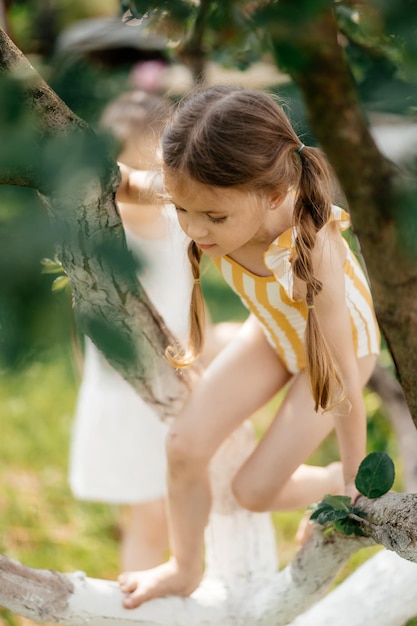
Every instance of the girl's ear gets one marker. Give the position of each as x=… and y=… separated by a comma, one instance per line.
x=275, y=199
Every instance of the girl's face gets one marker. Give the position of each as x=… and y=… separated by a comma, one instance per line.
x=220, y=220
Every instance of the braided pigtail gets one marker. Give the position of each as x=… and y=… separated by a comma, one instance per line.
x=197, y=317
x=311, y=212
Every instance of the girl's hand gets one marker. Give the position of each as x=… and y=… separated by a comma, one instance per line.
x=139, y=186
x=125, y=193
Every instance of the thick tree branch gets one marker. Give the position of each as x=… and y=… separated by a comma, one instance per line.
x=392, y=522
x=78, y=182
x=381, y=591
x=261, y=598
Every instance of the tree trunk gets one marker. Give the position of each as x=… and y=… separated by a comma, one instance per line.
x=389, y=390
x=376, y=194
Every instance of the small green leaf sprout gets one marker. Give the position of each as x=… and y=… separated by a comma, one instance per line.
x=375, y=477
x=54, y=266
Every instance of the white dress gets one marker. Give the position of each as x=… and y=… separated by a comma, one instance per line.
x=117, y=451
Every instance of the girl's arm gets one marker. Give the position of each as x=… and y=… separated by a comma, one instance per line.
x=139, y=186
x=333, y=316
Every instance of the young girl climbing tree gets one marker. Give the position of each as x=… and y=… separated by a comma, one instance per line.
x=255, y=199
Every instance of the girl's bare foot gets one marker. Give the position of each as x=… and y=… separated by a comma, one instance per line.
x=164, y=580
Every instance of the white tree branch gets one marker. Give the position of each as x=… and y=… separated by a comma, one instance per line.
x=380, y=592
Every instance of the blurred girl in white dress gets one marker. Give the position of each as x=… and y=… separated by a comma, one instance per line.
x=117, y=451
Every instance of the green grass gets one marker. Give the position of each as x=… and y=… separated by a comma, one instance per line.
x=42, y=525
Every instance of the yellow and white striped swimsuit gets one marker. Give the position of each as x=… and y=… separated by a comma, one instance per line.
x=270, y=299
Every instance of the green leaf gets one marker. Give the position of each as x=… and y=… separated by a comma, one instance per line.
x=334, y=512
x=325, y=513
x=340, y=503
x=60, y=283
x=111, y=340
x=376, y=475
x=318, y=508
x=348, y=526
x=330, y=516
x=51, y=267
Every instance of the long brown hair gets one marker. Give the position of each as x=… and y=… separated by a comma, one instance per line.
x=227, y=136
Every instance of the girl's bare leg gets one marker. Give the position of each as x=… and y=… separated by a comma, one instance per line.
x=273, y=478
x=238, y=382
x=144, y=541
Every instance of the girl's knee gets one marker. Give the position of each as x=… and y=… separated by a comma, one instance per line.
x=184, y=454
x=250, y=495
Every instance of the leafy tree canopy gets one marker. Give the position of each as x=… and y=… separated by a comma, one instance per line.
x=379, y=38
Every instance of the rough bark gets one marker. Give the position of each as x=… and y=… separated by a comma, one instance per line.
x=389, y=390
x=381, y=591
x=376, y=193
x=108, y=299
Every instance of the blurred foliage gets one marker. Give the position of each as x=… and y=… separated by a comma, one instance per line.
x=379, y=38
x=405, y=213
x=31, y=319
x=35, y=25
x=381, y=48
x=228, y=33
x=86, y=87
x=19, y=147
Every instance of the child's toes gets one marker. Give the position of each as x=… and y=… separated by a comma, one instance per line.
x=136, y=598
x=127, y=583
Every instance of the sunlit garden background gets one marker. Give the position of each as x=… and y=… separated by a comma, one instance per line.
x=41, y=524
